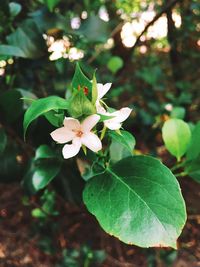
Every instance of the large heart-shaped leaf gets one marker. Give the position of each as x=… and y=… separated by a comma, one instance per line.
x=41, y=106
x=139, y=201
x=176, y=135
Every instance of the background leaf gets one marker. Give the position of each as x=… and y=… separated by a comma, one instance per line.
x=44, y=152
x=115, y=64
x=176, y=135
x=194, y=147
x=28, y=39
x=11, y=104
x=94, y=29
x=3, y=140
x=11, y=50
x=15, y=8
x=43, y=174
x=51, y=4
x=178, y=113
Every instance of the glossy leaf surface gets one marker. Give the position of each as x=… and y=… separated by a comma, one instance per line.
x=139, y=201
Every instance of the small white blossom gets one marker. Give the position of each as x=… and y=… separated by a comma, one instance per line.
x=79, y=133
x=118, y=116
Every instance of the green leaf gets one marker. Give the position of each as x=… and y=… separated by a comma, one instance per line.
x=55, y=118
x=15, y=9
x=80, y=80
x=178, y=113
x=117, y=151
x=176, y=135
x=27, y=39
x=11, y=50
x=139, y=201
x=41, y=106
x=192, y=168
x=94, y=90
x=51, y=4
x=43, y=174
x=194, y=147
x=80, y=105
x=115, y=64
x=94, y=29
x=44, y=152
x=3, y=140
x=125, y=138
x=27, y=97
x=38, y=213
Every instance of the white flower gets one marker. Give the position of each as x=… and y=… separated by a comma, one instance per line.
x=117, y=117
x=101, y=91
x=79, y=133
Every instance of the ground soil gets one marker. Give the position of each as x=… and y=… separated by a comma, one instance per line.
x=19, y=243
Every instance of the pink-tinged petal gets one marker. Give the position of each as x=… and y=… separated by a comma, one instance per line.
x=100, y=108
x=120, y=115
x=124, y=113
x=72, y=150
x=62, y=135
x=103, y=89
x=91, y=141
x=71, y=124
x=112, y=125
x=89, y=123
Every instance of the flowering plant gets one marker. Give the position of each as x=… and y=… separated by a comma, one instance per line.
x=135, y=198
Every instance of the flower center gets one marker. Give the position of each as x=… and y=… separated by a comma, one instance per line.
x=79, y=133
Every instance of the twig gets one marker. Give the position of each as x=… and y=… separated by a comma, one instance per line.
x=157, y=16
x=113, y=33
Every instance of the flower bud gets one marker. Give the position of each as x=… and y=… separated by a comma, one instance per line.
x=80, y=105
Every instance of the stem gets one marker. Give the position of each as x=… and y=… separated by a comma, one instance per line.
x=87, y=262
x=178, y=165
x=181, y=174
x=103, y=132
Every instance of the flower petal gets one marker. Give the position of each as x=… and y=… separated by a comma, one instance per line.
x=62, y=135
x=120, y=115
x=89, y=123
x=71, y=123
x=91, y=141
x=103, y=89
x=124, y=113
x=112, y=125
x=100, y=108
x=72, y=150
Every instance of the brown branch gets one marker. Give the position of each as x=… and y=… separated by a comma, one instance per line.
x=113, y=33
x=157, y=16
